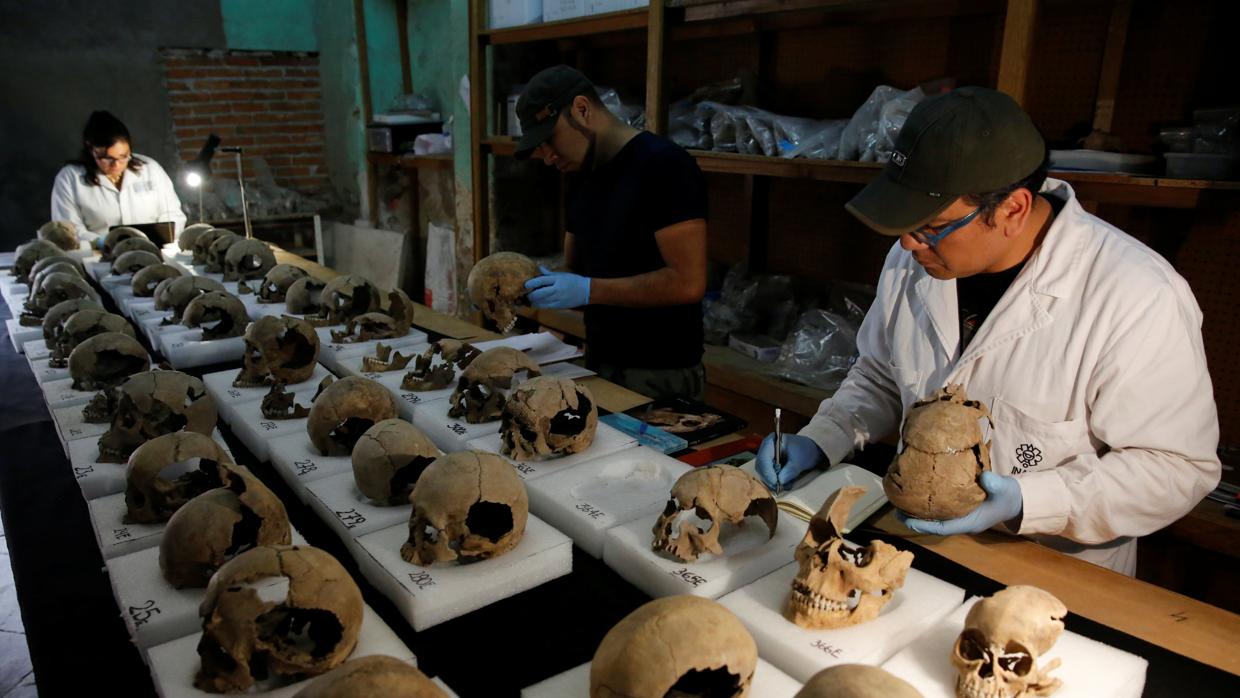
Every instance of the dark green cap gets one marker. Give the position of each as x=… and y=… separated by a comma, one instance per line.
x=540, y=104
x=971, y=140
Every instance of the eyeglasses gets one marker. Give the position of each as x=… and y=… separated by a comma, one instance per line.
x=109, y=160
x=929, y=237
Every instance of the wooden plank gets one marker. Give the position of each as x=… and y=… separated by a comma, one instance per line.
x=500, y=145
x=1112, y=62
x=363, y=65
x=656, y=107
x=740, y=374
x=611, y=396
x=478, y=127
x=1018, y=33
x=402, y=28
x=594, y=24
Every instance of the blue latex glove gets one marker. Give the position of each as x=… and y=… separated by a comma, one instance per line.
x=558, y=289
x=1003, y=503
x=800, y=453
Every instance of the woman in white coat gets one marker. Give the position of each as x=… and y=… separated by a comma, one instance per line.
x=111, y=185
x=1084, y=343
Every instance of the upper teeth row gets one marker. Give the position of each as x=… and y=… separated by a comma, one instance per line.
x=808, y=597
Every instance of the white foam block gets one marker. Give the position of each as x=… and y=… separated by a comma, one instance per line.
x=428, y=596
x=16, y=303
x=142, y=311
x=43, y=372
x=346, y=359
x=747, y=555
x=448, y=433
x=607, y=441
x=567, y=370
x=71, y=425
x=174, y=664
x=349, y=363
x=115, y=537
x=542, y=347
x=917, y=606
x=1089, y=668
x=220, y=386
x=114, y=284
x=339, y=502
x=585, y=501
x=275, y=309
x=20, y=334
x=408, y=400
x=158, y=332
x=11, y=287
x=188, y=349
x=60, y=393
x=37, y=349
x=131, y=303
x=257, y=431
x=98, y=269
x=102, y=479
x=768, y=682
x=299, y=462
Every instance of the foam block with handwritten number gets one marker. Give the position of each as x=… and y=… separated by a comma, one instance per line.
x=114, y=536
x=188, y=349
x=102, y=479
x=448, y=433
x=918, y=605
x=220, y=386
x=338, y=501
x=607, y=441
x=20, y=334
x=408, y=400
x=257, y=431
x=60, y=393
x=71, y=425
x=43, y=372
x=37, y=350
x=299, y=462
x=768, y=682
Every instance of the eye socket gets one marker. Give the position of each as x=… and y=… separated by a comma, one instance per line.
x=972, y=647
x=860, y=557
x=1016, y=659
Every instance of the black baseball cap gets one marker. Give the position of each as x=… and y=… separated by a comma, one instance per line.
x=540, y=104
x=971, y=140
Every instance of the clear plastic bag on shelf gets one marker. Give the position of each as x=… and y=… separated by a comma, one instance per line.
x=746, y=304
x=820, y=350
x=806, y=138
x=863, y=122
x=891, y=119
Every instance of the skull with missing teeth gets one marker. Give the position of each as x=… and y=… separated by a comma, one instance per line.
x=497, y=285
x=217, y=253
x=202, y=244
x=1004, y=638
x=392, y=321
x=134, y=261
x=56, y=317
x=106, y=360
x=250, y=629
x=278, y=350
x=152, y=495
x=219, y=313
x=177, y=294
x=114, y=237
x=935, y=475
x=51, y=289
x=146, y=280
x=481, y=390
x=389, y=459
x=305, y=297
x=135, y=244
x=277, y=281
x=438, y=366
x=344, y=411
x=717, y=495
x=675, y=646
x=188, y=236
x=30, y=253
x=83, y=325
x=152, y=404
x=547, y=417
x=467, y=506
x=346, y=297
x=839, y=584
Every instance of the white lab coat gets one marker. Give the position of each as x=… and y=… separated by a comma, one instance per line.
x=144, y=197
x=1093, y=367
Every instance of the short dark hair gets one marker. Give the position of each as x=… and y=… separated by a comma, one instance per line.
x=988, y=202
x=102, y=130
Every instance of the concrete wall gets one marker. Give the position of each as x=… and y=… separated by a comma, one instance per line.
x=269, y=25
x=342, y=101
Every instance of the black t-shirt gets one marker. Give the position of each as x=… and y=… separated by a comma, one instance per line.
x=613, y=214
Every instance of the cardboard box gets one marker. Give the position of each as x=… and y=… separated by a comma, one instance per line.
x=512, y=13
x=755, y=346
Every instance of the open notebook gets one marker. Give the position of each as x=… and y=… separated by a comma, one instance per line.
x=807, y=493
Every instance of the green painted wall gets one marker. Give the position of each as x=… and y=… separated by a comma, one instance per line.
x=439, y=56
x=342, y=101
x=269, y=25
x=383, y=53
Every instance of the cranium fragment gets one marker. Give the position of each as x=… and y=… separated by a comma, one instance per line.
x=675, y=646
x=54, y=320
x=105, y=360
x=438, y=366
x=145, y=280
x=136, y=244
x=62, y=234
x=346, y=297
x=935, y=475
x=180, y=291
x=278, y=350
x=83, y=325
x=133, y=261
x=468, y=505
x=366, y=327
x=856, y=681
x=219, y=313
x=217, y=253
x=497, y=284
x=547, y=417
x=305, y=297
x=248, y=260
x=115, y=237
x=839, y=584
x=1004, y=637
x=389, y=459
x=344, y=411
x=308, y=630
x=60, y=262
x=210, y=529
x=376, y=675
x=718, y=495
x=279, y=403
x=202, y=244
x=480, y=391
x=152, y=404
x=189, y=236
x=30, y=253
x=384, y=359
x=277, y=281
x=51, y=289
x=151, y=496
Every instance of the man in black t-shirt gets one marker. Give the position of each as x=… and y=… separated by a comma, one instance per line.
x=635, y=246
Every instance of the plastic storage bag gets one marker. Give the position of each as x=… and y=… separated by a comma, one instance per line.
x=819, y=351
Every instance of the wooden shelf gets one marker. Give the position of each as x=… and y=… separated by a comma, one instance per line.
x=409, y=161
x=499, y=145
x=569, y=28
x=741, y=374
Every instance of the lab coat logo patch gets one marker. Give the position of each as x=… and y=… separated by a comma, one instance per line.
x=1028, y=456
x=898, y=158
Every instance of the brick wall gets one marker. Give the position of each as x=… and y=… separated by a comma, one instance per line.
x=267, y=102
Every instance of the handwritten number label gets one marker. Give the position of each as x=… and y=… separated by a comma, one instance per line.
x=75, y=432
x=591, y=511
x=81, y=471
x=458, y=429
x=234, y=393
x=421, y=579
x=304, y=466
x=827, y=648
x=121, y=534
x=411, y=398
x=350, y=518
x=268, y=426
x=142, y=614
x=696, y=580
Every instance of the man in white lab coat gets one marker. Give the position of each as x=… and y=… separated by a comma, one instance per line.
x=112, y=185
x=1084, y=343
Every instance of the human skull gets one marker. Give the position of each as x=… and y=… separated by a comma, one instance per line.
x=718, y=495
x=190, y=234
x=278, y=350
x=62, y=234
x=83, y=325
x=105, y=360
x=839, y=584
x=180, y=291
x=547, y=417
x=58, y=262
x=437, y=367
x=856, y=681
x=152, y=404
x=136, y=244
x=219, y=313
x=468, y=505
x=480, y=391
x=345, y=411
x=674, y=422
x=935, y=474
x=346, y=297
x=279, y=403
x=497, y=284
x=114, y=237
x=54, y=320
x=305, y=297
x=145, y=280
x=222, y=522
x=217, y=253
x=51, y=289
x=675, y=646
x=133, y=261
x=30, y=253
x=247, y=260
x=388, y=460
x=366, y=327
x=277, y=281
x=150, y=497
x=202, y=244
x=308, y=630
x=376, y=675
x=1004, y=636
